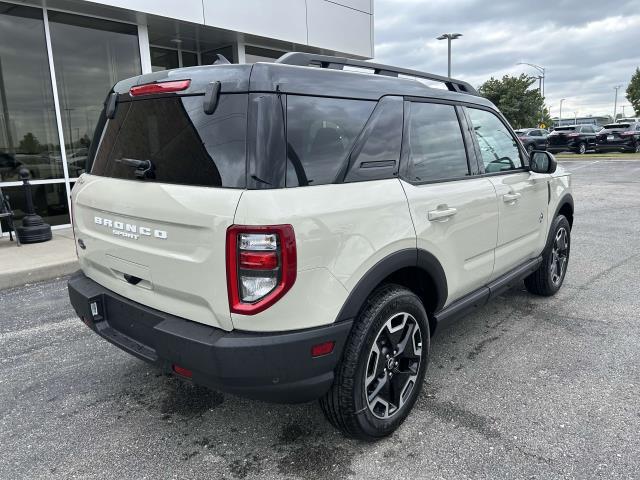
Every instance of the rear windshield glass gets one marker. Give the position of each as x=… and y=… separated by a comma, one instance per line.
x=564, y=129
x=184, y=145
x=616, y=125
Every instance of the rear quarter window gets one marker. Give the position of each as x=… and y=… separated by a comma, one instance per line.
x=320, y=135
x=185, y=145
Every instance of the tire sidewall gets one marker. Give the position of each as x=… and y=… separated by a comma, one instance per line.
x=558, y=222
x=404, y=301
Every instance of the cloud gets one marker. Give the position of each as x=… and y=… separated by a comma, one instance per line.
x=587, y=47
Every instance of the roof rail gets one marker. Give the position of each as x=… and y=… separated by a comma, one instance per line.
x=327, y=61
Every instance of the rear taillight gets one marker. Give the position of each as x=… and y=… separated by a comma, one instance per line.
x=626, y=134
x=573, y=135
x=261, y=266
x=159, y=87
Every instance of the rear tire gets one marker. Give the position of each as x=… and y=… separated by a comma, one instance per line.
x=549, y=276
x=384, y=361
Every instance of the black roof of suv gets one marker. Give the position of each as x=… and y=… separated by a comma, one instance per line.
x=287, y=76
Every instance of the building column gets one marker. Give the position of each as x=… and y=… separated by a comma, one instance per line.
x=56, y=105
x=240, y=52
x=145, y=53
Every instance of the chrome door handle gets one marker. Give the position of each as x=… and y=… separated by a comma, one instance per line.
x=441, y=214
x=511, y=197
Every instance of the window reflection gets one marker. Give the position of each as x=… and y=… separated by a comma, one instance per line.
x=28, y=133
x=90, y=56
x=49, y=201
x=163, y=59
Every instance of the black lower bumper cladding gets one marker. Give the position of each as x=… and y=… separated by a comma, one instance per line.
x=274, y=367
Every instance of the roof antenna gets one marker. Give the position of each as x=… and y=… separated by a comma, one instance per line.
x=221, y=60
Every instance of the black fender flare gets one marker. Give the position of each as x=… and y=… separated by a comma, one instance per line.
x=410, y=257
x=566, y=199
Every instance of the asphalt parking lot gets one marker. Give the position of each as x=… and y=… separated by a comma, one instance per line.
x=525, y=387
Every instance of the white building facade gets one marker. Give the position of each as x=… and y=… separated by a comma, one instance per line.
x=59, y=58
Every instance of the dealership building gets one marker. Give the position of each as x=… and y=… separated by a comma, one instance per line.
x=59, y=58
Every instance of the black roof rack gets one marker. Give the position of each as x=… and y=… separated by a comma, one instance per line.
x=327, y=61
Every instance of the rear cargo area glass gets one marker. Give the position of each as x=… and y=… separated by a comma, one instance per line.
x=185, y=146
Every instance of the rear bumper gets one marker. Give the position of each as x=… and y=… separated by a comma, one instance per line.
x=274, y=367
x=620, y=145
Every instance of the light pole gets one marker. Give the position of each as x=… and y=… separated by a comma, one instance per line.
x=560, y=120
x=449, y=37
x=541, y=70
x=575, y=118
x=615, y=102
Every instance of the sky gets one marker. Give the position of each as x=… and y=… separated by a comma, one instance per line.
x=586, y=46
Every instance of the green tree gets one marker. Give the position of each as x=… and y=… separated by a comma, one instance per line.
x=633, y=91
x=523, y=107
x=29, y=144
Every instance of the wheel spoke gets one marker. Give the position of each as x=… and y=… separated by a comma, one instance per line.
x=383, y=383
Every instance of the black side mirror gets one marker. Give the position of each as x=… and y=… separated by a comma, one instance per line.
x=542, y=162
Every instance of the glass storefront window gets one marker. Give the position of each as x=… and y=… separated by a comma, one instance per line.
x=28, y=132
x=90, y=56
x=189, y=59
x=163, y=59
x=49, y=201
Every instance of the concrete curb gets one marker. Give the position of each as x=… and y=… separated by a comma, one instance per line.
x=44, y=272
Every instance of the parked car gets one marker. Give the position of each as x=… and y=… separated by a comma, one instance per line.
x=255, y=228
x=574, y=138
x=619, y=136
x=533, y=138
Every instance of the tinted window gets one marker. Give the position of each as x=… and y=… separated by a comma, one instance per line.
x=436, y=147
x=378, y=153
x=320, y=134
x=565, y=129
x=535, y=133
x=498, y=147
x=185, y=146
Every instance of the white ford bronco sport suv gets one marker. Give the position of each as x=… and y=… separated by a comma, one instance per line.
x=290, y=233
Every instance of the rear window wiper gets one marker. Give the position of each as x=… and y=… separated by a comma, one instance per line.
x=143, y=168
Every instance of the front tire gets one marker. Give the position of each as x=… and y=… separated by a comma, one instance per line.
x=549, y=276
x=582, y=148
x=384, y=361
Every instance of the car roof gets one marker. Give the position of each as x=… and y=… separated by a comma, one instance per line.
x=301, y=80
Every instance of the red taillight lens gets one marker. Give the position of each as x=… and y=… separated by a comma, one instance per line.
x=160, y=87
x=261, y=266
x=258, y=260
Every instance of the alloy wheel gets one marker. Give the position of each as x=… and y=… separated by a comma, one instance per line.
x=582, y=148
x=559, y=256
x=393, y=365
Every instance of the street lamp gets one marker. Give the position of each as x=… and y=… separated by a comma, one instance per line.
x=449, y=37
x=615, y=102
x=541, y=70
x=560, y=120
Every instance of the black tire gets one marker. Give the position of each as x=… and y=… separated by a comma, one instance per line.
x=346, y=405
x=547, y=280
x=582, y=148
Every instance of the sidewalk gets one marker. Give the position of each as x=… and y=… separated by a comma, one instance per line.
x=37, y=261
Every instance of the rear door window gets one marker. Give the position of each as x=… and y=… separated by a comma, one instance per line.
x=184, y=145
x=320, y=135
x=435, y=143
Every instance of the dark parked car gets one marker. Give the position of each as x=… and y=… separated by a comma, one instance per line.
x=575, y=138
x=533, y=138
x=619, y=136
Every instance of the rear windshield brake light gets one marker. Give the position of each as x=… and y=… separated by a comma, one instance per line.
x=159, y=87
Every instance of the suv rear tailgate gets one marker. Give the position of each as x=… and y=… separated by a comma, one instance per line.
x=159, y=245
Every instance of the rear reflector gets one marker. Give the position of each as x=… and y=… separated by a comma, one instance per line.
x=160, y=87
x=322, y=349
x=183, y=372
